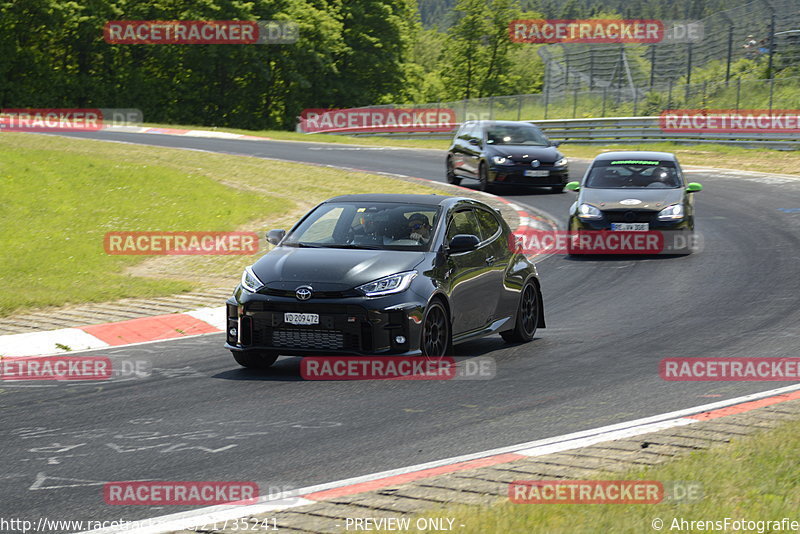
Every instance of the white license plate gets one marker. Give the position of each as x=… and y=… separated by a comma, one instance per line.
x=631, y=227
x=537, y=174
x=301, y=318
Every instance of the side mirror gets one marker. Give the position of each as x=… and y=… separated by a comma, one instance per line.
x=463, y=243
x=275, y=236
x=694, y=187
x=573, y=186
x=555, y=143
x=474, y=142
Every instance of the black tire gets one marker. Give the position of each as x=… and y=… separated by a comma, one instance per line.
x=451, y=173
x=557, y=188
x=483, y=177
x=527, y=316
x=255, y=359
x=435, y=339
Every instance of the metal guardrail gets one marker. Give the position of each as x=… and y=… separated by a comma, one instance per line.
x=619, y=130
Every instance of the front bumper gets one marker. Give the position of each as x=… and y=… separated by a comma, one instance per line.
x=515, y=175
x=675, y=237
x=347, y=326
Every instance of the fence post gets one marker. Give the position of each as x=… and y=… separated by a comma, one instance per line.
x=652, y=65
x=519, y=107
x=591, y=69
x=635, y=101
x=730, y=53
x=546, y=100
x=574, y=102
x=771, y=89
x=771, y=42
x=605, y=93
x=669, y=97
x=688, y=70
x=491, y=108
x=705, y=85
x=738, y=91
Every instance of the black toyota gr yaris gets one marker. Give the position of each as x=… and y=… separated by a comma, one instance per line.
x=384, y=275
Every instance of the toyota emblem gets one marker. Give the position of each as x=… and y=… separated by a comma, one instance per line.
x=303, y=293
x=535, y=163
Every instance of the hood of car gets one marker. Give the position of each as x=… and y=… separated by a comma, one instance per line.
x=631, y=198
x=525, y=153
x=330, y=269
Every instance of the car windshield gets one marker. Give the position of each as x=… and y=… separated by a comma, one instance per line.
x=367, y=225
x=515, y=134
x=635, y=174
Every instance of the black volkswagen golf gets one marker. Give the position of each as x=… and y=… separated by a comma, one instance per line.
x=505, y=153
x=384, y=275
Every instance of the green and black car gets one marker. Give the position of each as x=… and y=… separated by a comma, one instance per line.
x=636, y=191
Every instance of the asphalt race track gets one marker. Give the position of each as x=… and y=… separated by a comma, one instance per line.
x=199, y=416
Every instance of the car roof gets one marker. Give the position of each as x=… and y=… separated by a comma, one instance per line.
x=498, y=123
x=636, y=154
x=427, y=200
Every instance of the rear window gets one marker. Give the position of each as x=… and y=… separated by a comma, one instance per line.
x=632, y=173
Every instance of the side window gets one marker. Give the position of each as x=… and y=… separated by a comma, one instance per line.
x=489, y=223
x=463, y=222
x=476, y=132
x=464, y=131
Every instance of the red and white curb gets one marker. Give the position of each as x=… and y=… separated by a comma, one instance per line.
x=188, y=133
x=98, y=336
x=384, y=479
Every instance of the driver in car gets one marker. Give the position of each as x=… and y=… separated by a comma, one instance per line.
x=419, y=228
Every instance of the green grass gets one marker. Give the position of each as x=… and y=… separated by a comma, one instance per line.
x=60, y=196
x=755, y=478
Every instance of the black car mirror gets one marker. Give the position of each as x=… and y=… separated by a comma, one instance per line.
x=275, y=236
x=474, y=142
x=555, y=143
x=463, y=243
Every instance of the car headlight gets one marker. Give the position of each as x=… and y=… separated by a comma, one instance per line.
x=561, y=163
x=502, y=160
x=388, y=284
x=250, y=281
x=671, y=213
x=587, y=211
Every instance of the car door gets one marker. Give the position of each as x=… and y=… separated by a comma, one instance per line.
x=466, y=275
x=497, y=255
x=459, y=143
x=472, y=149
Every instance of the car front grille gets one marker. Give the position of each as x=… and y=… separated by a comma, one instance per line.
x=308, y=339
